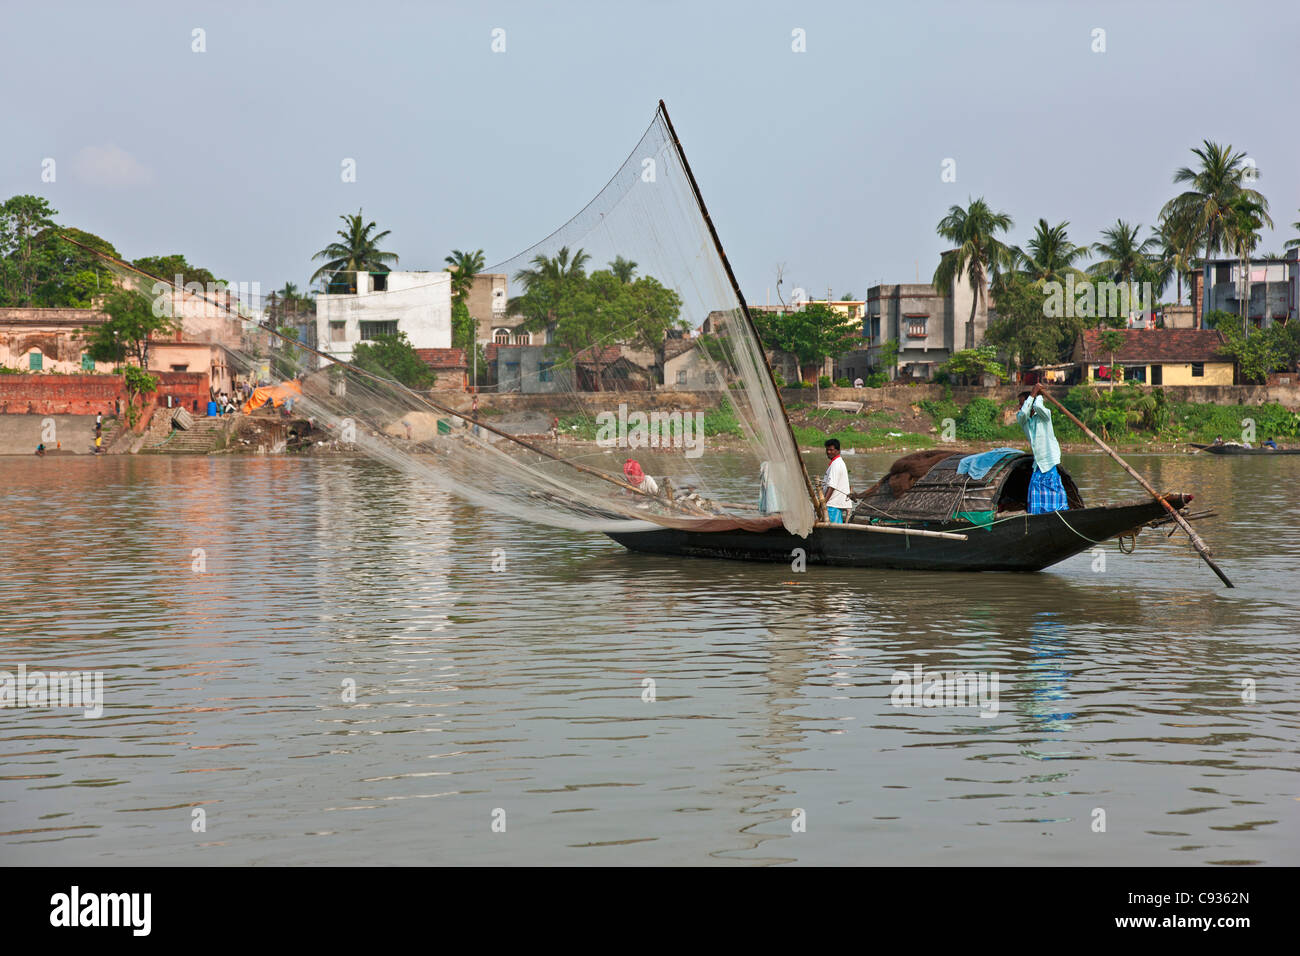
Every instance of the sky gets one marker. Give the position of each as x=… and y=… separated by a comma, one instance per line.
x=828, y=161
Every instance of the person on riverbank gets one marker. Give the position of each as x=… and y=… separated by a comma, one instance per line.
x=1046, y=493
x=835, y=485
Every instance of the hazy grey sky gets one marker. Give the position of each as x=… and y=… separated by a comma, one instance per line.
x=828, y=161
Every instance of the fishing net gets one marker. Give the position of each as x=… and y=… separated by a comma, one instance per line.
x=622, y=386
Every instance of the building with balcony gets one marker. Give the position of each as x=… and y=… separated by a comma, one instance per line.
x=415, y=303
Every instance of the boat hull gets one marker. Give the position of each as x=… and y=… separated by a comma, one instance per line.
x=1238, y=450
x=1022, y=543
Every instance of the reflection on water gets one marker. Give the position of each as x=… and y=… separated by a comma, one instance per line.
x=237, y=606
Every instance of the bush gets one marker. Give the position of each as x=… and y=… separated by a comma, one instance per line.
x=843, y=383
x=978, y=421
x=824, y=381
x=876, y=380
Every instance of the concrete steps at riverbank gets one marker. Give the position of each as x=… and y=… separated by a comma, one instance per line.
x=203, y=436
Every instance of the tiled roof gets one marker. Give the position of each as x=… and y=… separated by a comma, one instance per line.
x=1157, y=345
x=675, y=347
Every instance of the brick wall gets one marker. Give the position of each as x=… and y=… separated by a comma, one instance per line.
x=88, y=394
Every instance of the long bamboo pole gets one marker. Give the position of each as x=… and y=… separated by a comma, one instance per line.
x=818, y=503
x=1195, y=538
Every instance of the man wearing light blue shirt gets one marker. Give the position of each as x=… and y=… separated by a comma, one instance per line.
x=1046, y=493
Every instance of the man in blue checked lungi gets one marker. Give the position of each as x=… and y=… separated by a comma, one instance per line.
x=1046, y=493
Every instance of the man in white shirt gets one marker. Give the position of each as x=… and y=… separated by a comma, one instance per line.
x=835, y=485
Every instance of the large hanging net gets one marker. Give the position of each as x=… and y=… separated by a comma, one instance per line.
x=626, y=388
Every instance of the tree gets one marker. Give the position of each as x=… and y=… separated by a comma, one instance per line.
x=169, y=267
x=1049, y=256
x=393, y=357
x=973, y=363
x=1293, y=243
x=1123, y=252
x=1022, y=329
x=811, y=334
x=358, y=251
x=1112, y=340
x=979, y=254
x=68, y=275
x=1203, y=207
x=548, y=287
x=464, y=267
x=624, y=269
x=22, y=218
x=1243, y=219
x=138, y=384
x=1177, y=240
x=131, y=321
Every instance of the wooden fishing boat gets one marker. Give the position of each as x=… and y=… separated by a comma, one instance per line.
x=945, y=522
x=1230, y=449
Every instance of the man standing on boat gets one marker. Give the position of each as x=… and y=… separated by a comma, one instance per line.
x=835, y=485
x=1046, y=493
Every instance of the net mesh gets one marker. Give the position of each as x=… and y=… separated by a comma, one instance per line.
x=631, y=392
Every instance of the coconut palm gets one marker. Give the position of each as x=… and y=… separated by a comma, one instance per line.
x=1293, y=243
x=464, y=267
x=1123, y=254
x=357, y=252
x=1221, y=175
x=558, y=267
x=1177, y=241
x=979, y=254
x=1049, y=256
x=1242, y=222
x=624, y=269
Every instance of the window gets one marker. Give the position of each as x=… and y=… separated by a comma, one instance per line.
x=1135, y=373
x=1222, y=273
x=1198, y=370
x=522, y=338
x=916, y=326
x=180, y=368
x=501, y=336
x=681, y=377
x=87, y=363
x=544, y=372
x=512, y=371
x=381, y=281
x=710, y=377
x=35, y=360
x=338, y=331
x=373, y=330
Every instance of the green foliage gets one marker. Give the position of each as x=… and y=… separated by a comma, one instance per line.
x=843, y=383
x=22, y=220
x=876, y=380
x=1117, y=412
x=1216, y=318
x=585, y=313
x=358, y=251
x=979, y=254
x=824, y=381
x=393, y=357
x=169, y=267
x=131, y=320
x=810, y=334
x=463, y=267
x=1261, y=351
x=1202, y=422
x=1023, y=330
x=973, y=364
x=722, y=421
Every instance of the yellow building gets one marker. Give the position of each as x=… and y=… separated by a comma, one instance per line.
x=1155, y=357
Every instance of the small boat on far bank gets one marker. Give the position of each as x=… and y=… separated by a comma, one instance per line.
x=1232, y=448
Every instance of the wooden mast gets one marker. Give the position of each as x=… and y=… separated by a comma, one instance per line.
x=819, y=507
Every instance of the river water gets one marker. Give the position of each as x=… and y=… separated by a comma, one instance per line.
x=1146, y=715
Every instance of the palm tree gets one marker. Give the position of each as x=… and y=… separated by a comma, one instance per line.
x=979, y=254
x=1177, y=241
x=1049, y=256
x=1123, y=255
x=554, y=268
x=1213, y=185
x=1293, y=243
x=464, y=267
x=1243, y=219
x=358, y=252
x=544, y=285
x=624, y=269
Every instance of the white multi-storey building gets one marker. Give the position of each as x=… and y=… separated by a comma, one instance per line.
x=416, y=303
